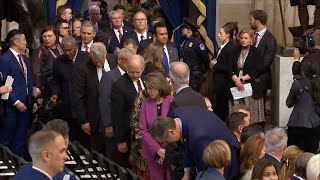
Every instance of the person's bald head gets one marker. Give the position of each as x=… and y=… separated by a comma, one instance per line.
x=135, y=67
x=179, y=73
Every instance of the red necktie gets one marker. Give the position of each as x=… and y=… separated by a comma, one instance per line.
x=139, y=86
x=21, y=63
x=120, y=35
x=86, y=48
x=255, y=39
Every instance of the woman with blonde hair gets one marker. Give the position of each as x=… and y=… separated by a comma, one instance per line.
x=216, y=155
x=253, y=150
x=288, y=162
x=153, y=58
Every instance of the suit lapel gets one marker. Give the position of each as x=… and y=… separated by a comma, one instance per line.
x=15, y=61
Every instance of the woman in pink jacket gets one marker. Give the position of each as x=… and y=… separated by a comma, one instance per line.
x=157, y=104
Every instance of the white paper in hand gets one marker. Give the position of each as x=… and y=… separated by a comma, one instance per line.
x=239, y=95
x=8, y=83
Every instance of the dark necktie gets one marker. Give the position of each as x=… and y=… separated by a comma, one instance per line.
x=120, y=35
x=165, y=61
x=139, y=86
x=255, y=39
x=86, y=48
x=21, y=63
x=142, y=37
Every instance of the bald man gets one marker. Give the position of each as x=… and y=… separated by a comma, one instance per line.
x=123, y=93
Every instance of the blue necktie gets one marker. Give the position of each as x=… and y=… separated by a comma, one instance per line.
x=165, y=61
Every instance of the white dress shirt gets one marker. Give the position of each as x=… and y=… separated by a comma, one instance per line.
x=136, y=85
x=89, y=45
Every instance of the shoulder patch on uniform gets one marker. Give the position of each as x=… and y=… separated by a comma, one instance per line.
x=202, y=46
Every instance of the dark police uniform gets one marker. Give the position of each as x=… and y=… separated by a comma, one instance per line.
x=194, y=53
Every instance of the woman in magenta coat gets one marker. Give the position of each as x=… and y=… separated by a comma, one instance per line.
x=157, y=104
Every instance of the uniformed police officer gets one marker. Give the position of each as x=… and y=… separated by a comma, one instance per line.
x=193, y=52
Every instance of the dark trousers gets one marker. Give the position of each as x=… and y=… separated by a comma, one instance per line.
x=221, y=106
x=306, y=139
x=13, y=130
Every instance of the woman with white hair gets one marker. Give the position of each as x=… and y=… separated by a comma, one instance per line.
x=313, y=167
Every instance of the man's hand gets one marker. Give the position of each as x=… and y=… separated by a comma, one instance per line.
x=86, y=128
x=5, y=89
x=186, y=176
x=161, y=152
x=109, y=131
x=21, y=107
x=36, y=92
x=35, y=107
x=122, y=147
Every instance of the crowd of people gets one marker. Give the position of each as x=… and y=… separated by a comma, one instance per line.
x=124, y=89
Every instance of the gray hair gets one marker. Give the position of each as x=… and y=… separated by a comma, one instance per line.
x=122, y=52
x=134, y=57
x=161, y=126
x=179, y=72
x=94, y=8
x=88, y=24
x=313, y=167
x=111, y=13
x=69, y=39
x=276, y=140
x=301, y=164
x=98, y=49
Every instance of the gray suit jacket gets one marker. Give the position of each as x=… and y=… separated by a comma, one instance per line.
x=105, y=87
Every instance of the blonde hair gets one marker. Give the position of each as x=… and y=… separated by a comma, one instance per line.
x=153, y=54
x=288, y=161
x=248, y=31
x=250, y=152
x=158, y=81
x=217, y=154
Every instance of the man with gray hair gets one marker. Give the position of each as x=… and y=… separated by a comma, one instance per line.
x=117, y=30
x=185, y=96
x=105, y=87
x=123, y=94
x=300, y=170
x=95, y=17
x=275, y=141
x=86, y=97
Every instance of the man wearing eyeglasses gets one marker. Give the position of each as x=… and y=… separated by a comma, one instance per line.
x=140, y=33
x=62, y=28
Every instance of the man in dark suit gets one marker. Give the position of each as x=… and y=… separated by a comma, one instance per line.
x=63, y=79
x=105, y=88
x=266, y=45
x=88, y=32
x=185, y=96
x=194, y=128
x=140, y=33
x=86, y=96
x=170, y=53
x=123, y=94
x=117, y=31
x=96, y=19
x=13, y=127
x=276, y=141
